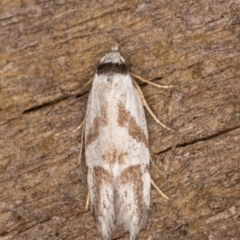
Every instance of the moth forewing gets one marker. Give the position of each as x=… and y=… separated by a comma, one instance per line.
x=116, y=149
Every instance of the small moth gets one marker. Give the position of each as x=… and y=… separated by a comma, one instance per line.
x=116, y=149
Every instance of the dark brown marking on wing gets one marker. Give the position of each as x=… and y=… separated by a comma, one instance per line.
x=132, y=176
x=125, y=119
x=101, y=178
x=113, y=155
x=99, y=121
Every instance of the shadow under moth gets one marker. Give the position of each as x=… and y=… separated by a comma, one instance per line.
x=116, y=148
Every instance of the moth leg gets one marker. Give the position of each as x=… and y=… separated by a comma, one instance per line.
x=82, y=139
x=149, y=82
x=149, y=110
x=157, y=188
x=87, y=202
x=82, y=125
x=79, y=127
x=87, y=83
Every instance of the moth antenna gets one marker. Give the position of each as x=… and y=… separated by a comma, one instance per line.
x=149, y=110
x=149, y=82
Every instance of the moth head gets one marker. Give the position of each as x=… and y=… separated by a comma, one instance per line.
x=114, y=48
x=113, y=57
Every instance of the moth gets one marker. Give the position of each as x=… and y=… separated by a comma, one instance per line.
x=117, y=149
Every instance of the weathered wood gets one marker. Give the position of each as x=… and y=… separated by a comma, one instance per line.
x=50, y=49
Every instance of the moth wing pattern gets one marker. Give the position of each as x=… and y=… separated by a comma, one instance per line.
x=116, y=151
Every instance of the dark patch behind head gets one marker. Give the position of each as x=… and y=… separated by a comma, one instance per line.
x=111, y=68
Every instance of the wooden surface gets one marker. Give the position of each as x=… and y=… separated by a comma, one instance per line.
x=50, y=49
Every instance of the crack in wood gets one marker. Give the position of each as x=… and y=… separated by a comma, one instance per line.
x=198, y=140
x=36, y=108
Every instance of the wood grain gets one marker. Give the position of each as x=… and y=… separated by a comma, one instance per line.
x=50, y=49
